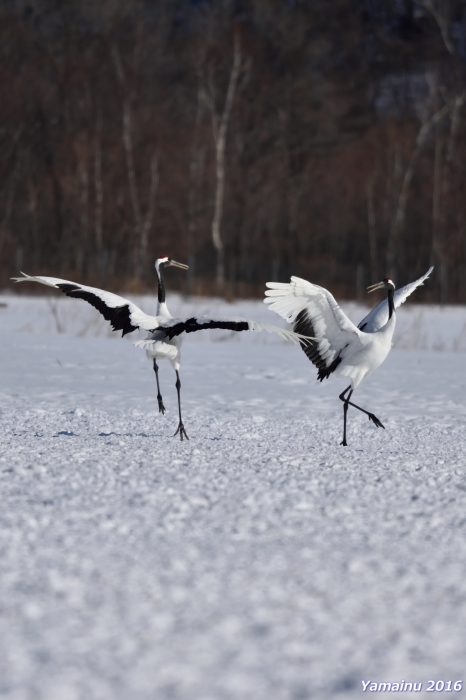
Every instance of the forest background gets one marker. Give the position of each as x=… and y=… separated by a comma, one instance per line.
x=251, y=139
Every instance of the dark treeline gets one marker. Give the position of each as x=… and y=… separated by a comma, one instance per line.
x=252, y=139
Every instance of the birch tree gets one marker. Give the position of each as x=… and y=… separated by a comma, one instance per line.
x=427, y=124
x=99, y=195
x=219, y=129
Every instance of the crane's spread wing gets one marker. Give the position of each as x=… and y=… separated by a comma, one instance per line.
x=316, y=314
x=123, y=314
x=176, y=326
x=378, y=317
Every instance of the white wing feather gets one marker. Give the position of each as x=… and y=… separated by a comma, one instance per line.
x=137, y=317
x=378, y=317
x=332, y=329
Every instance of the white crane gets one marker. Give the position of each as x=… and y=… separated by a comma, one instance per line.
x=338, y=345
x=165, y=332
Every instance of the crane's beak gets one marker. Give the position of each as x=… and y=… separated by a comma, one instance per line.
x=177, y=264
x=374, y=287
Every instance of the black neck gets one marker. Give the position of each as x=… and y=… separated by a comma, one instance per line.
x=391, y=305
x=161, y=289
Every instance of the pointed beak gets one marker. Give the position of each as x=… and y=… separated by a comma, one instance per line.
x=374, y=287
x=180, y=265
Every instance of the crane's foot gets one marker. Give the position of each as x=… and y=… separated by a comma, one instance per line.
x=181, y=431
x=376, y=421
x=162, y=408
x=344, y=443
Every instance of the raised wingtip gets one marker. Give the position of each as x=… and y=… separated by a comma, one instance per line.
x=426, y=275
x=20, y=279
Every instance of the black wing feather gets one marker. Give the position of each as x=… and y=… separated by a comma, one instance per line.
x=119, y=317
x=303, y=325
x=191, y=325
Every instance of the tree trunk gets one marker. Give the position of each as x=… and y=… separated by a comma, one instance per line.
x=141, y=226
x=371, y=229
x=400, y=213
x=196, y=162
x=99, y=194
x=83, y=176
x=144, y=238
x=220, y=143
x=436, y=192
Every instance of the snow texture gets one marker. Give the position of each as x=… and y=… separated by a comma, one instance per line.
x=258, y=560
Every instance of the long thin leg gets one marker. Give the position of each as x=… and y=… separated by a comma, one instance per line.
x=162, y=408
x=180, y=428
x=342, y=395
x=372, y=417
x=346, y=403
x=345, y=411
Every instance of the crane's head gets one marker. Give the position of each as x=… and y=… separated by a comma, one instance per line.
x=164, y=261
x=386, y=283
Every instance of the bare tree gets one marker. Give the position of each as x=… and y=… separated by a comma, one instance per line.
x=219, y=129
x=142, y=224
x=294, y=188
x=9, y=195
x=196, y=162
x=371, y=227
x=458, y=103
x=436, y=192
x=99, y=194
x=82, y=187
x=440, y=11
x=427, y=124
x=309, y=192
x=148, y=219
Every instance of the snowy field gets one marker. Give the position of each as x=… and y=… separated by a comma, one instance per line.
x=258, y=561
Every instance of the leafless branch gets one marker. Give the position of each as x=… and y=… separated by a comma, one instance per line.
x=398, y=219
x=440, y=11
x=99, y=195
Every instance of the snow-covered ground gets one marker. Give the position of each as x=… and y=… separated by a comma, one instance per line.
x=260, y=560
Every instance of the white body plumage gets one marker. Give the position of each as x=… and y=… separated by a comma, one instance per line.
x=361, y=358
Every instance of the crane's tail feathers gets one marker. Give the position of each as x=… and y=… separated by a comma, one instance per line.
x=157, y=347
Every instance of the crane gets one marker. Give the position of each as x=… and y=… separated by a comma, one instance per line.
x=338, y=346
x=165, y=332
